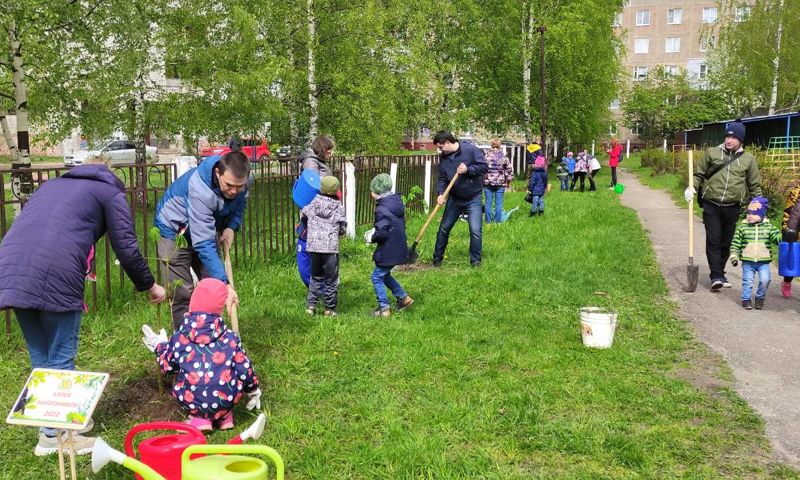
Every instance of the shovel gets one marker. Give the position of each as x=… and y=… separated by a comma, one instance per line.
x=413, y=256
x=229, y=273
x=691, y=268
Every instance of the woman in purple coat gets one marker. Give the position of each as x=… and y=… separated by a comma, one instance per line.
x=43, y=264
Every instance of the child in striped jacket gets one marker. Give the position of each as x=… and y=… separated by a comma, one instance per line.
x=752, y=244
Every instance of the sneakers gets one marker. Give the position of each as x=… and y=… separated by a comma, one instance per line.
x=436, y=263
x=49, y=445
x=717, y=284
x=786, y=289
x=747, y=305
x=310, y=311
x=200, y=423
x=226, y=422
x=475, y=264
x=402, y=303
x=382, y=312
x=759, y=303
x=330, y=313
x=726, y=283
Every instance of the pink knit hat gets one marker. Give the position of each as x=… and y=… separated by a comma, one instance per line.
x=209, y=296
x=539, y=163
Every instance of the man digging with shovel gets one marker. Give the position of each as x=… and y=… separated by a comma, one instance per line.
x=465, y=164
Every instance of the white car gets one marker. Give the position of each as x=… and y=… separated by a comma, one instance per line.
x=118, y=152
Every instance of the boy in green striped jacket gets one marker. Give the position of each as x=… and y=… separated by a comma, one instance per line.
x=752, y=244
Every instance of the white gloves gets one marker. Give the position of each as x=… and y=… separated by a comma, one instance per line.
x=151, y=339
x=254, y=399
x=368, y=235
x=688, y=194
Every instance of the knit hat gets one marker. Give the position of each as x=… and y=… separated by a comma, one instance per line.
x=569, y=154
x=758, y=206
x=382, y=183
x=329, y=185
x=736, y=129
x=209, y=296
x=539, y=163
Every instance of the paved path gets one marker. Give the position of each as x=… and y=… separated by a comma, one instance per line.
x=762, y=347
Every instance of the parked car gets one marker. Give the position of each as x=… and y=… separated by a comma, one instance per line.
x=261, y=147
x=287, y=151
x=117, y=151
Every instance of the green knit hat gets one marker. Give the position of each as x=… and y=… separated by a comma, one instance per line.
x=381, y=184
x=329, y=185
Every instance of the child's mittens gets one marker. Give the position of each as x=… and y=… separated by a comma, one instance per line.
x=151, y=339
x=368, y=235
x=254, y=399
x=734, y=259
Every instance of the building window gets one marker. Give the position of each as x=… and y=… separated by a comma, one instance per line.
x=674, y=16
x=642, y=18
x=614, y=103
x=636, y=130
x=702, y=73
x=707, y=42
x=671, y=70
x=642, y=45
x=639, y=73
x=742, y=14
x=673, y=44
x=617, y=20
x=612, y=128
x=710, y=15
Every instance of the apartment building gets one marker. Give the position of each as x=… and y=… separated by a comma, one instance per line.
x=676, y=34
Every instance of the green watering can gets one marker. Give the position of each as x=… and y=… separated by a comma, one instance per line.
x=231, y=463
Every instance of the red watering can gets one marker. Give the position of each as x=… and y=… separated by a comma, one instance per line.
x=163, y=453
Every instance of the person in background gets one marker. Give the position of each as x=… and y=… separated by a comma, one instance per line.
x=563, y=175
x=44, y=260
x=594, y=169
x=581, y=169
x=789, y=226
x=537, y=187
x=569, y=162
x=498, y=177
x=614, y=158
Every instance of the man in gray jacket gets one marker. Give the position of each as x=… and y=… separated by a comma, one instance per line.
x=727, y=178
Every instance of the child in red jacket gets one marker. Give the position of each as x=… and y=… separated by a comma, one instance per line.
x=212, y=370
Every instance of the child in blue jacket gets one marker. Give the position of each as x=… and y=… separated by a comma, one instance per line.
x=389, y=233
x=212, y=370
x=537, y=186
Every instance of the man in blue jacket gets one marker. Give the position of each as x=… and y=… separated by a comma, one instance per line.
x=206, y=206
x=464, y=197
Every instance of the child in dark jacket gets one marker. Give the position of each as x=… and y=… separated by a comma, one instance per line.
x=389, y=233
x=537, y=186
x=212, y=370
x=326, y=223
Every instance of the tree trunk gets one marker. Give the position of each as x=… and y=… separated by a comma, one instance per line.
x=20, y=97
x=527, y=44
x=313, y=119
x=776, y=63
x=293, y=134
x=8, y=136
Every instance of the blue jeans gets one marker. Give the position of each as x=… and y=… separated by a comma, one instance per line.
x=494, y=194
x=537, y=204
x=749, y=270
x=382, y=278
x=564, y=184
x=452, y=211
x=52, y=338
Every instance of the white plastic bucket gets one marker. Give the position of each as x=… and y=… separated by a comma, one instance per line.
x=597, y=327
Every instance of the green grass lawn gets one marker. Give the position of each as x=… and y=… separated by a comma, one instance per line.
x=5, y=159
x=484, y=377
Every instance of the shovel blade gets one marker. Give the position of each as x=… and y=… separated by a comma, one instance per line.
x=692, y=272
x=413, y=256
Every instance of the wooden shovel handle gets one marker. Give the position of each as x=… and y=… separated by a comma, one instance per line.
x=436, y=208
x=229, y=273
x=691, y=205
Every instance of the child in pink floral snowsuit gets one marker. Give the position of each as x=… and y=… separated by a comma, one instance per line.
x=212, y=370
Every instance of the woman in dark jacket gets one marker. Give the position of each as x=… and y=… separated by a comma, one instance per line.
x=44, y=259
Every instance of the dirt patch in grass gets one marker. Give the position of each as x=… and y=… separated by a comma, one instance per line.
x=705, y=370
x=414, y=267
x=139, y=400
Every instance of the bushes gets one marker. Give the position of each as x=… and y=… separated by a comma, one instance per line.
x=776, y=182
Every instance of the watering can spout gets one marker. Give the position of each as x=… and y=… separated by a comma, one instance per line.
x=103, y=453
